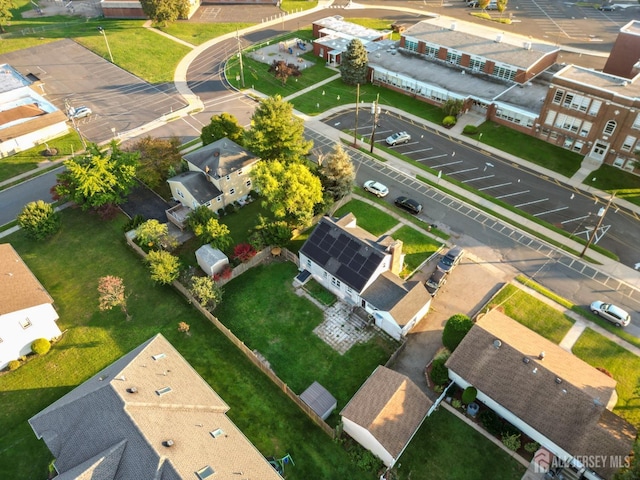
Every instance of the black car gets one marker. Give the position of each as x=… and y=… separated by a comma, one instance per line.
x=408, y=204
x=438, y=279
x=451, y=259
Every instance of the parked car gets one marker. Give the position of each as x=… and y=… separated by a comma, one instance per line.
x=610, y=312
x=399, y=137
x=408, y=204
x=378, y=189
x=450, y=259
x=80, y=112
x=437, y=280
x=607, y=8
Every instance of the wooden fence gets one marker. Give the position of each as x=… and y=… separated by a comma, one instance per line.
x=262, y=256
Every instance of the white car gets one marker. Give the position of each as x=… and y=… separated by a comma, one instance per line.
x=610, y=312
x=80, y=112
x=378, y=189
x=396, y=138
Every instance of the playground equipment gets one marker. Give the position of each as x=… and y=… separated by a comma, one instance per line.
x=289, y=45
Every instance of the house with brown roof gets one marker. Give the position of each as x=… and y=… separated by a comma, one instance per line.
x=26, y=309
x=363, y=271
x=148, y=415
x=385, y=413
x=552, y=396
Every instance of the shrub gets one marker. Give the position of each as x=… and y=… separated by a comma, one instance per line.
x=133, y=223
x=512, y=442
x=452, y=107
x=13, y=365
x=164, y=267
x=225, y=274
x=470, y=130
x=39, y=220
x=455, y=403
x=206, y=292
x=220, y=212
x=41, y=346
x=266, y=233
x=449, y=121
x=531, y=447
x=491, y=422
x=230, y=208
x=243, y=252
x=455, y=330
x=438, y=389
x=439, y=373
x=469, y=395
x=183, y=327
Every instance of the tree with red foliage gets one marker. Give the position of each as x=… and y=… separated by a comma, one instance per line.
x=243, y=252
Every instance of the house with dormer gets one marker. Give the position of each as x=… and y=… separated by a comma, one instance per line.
x=552, y=396
x=148, y=415
x=363, y=271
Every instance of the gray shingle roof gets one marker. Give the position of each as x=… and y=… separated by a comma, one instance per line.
x=221, y=157
x=197, y=185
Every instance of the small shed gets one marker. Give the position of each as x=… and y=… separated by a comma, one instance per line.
x=319, y=399
x=211, y=260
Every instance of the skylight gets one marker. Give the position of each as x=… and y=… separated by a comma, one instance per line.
x=216, y=433
x=159, y=356
x=204, y=473
x=163, y=390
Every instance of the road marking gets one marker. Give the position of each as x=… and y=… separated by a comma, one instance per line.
x=421, y=150
x=574, y=219
x=398, y=144
x=477, y=178
x=550, y=211
x=435, y=156
x=463, y=171
x=513, y=194
x=495, y=186
x=446, y=164
x=531, y=203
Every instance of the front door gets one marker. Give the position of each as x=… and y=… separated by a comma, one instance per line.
x=599, y=150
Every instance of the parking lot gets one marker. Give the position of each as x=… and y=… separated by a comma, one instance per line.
x=71, y=74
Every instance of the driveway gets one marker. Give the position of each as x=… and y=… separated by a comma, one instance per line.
x=142, y=201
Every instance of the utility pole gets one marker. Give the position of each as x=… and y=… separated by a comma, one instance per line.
x=601, y=213
x=240, y=57
x=355, y=131
x=375, y=110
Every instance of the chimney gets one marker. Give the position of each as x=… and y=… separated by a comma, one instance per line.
x=396, y=257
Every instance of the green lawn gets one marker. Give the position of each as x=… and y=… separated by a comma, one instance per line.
x=262, y=309
x=416, y=246
x=69, y=266
x=625, y=184
x=624, y=366
x=368, y=217
x=445, y=448
x=320, y=293
x=198, y=33
x=291, y=6
x=533, y=313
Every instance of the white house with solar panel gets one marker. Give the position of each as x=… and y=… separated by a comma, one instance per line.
x=363, y=270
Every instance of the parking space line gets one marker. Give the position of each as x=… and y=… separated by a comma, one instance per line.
x=431, y=158
x=420, y=150
x=446, y=164
x=478, y=178
x=550, y=211
x=533, y=202
x=399, y=144
x=463, y=171
x=513, y=194
x=495, y=186
x=574, y=219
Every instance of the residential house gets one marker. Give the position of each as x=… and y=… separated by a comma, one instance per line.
x=218, y=175
x=385, y=413
x=363, y=270
x=552, y=396
x=148, y=415
x=26, y=309
x=26, y=118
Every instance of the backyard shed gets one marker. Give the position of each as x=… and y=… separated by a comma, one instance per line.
x=211, y=260
x=319, y=399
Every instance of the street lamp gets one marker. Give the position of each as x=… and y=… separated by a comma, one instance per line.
x=101, y=30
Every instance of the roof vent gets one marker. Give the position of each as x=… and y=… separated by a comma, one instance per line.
x=168, y=443
x=163, y=391
x=527, y=45
x=453, y=25
x=558, y=380
x=499, y=38
x=132, y=390
x=497, y=343
x=159, y=356
x=216, y=153
x=525, y=360
x=535, y=370
x=541, y=355
x=216, y=433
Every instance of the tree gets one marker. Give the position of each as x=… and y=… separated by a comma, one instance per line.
x=354, y=63
x=501, y=5
x=283, y=70
x=338, y=174
x=99, y=178
x=266, y=233
x=206, y=227
x=163, y=12
x=206, y=291
x=290, y=191
x=452, y=107
x=5, y=13
x=276, y=133
x=39, y=220
x=154, y=234
x=483, y=4
x=221, y=126
x=164, y=267
x=631, y=469
x=455, y=330
x=112, y=294
x=157, y=157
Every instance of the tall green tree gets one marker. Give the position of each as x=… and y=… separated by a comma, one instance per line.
x=99, y=178
x=5, y=13
x=208, y=229
x=163, y=12
x=354, y=63
x=289, y=190
x=276, y=133
x=501, y=5
x=221, y=126
x=338, y=174
x=157, y=157
x=39, y=220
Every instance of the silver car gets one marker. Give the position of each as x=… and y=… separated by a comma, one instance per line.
x=378, y=189
x=610, y=312
x=396, y=138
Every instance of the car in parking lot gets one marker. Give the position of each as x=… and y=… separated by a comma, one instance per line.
x=399, y=137
x=80, y=112
x=450, y=259
x=436, y=281
x=607, y=8
x=378, y=189
x=615, y=315
x=408, y=204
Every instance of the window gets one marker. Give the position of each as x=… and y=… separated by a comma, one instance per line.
x=431, y=51
x=248, y=183
x=595, y=108
x=515, y=117
x=240, y=172
x=618, y=162
x=628, y=143
x=636, y=122
x=568, y=98
x=411, y=45
x=232, y=191
x=26, y=323
x=610, y=127
x=453, y=57
x=504, y=72
x=205, y=473
x=208, y=204
x=585, y=129
x=335, y=282
x=551, y=116
x=219, y=199
x=180, y=194
x=568, y=142
x=557, y=97
x=577, y=147
x=567, y=122
x=308, y=263
x=228, y=177
x=629, y=166
x=477, y=64
x=217, y=432
x=324, y=274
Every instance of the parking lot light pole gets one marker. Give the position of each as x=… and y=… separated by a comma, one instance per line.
x=101, y=30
